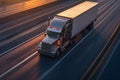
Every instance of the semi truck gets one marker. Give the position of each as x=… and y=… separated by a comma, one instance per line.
x=65, y=26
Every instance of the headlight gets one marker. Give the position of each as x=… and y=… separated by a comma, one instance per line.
x=40, y=44
x=58, y=43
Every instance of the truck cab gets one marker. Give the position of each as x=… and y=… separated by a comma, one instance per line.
x=57, y=34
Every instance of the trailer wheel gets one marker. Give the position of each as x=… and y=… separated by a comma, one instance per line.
x=71, y=42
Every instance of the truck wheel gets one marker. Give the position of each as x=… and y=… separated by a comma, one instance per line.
x=57, y=53
x=72, y=41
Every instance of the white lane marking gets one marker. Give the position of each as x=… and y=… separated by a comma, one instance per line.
x=54, y=65
x=21, y=44
x=25, y=58
x=69, y=52
x=23, y=33
x=3, y=74
x=100, y=10
x=47, y=12
x=113, y=8
x=40, y=16
x=66, y=55
x=108, y=60
x=106, y=4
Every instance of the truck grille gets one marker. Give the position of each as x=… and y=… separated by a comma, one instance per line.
x=46, y=47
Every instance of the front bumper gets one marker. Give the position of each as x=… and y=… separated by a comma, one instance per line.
x=43, y=52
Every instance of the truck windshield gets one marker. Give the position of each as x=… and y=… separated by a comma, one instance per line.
x=58, y=23
x=53, y=34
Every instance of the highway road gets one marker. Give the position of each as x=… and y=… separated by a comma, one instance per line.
x=18, y=44
x=111, y=70
x=10, y=29
x=73, y=62
x=108, y=67
x=30, y=12
x=73, y=65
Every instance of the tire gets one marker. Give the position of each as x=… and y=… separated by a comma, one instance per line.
x=72, y=41
x=57, y=53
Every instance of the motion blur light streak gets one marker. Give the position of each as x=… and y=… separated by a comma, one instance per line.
x=7, y=10
x=34, y=3
x=30, y=65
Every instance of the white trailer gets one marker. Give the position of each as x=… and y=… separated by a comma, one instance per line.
x=82, y=15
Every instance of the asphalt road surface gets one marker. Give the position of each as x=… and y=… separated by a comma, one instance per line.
x=21, y=51
x=11, y=32
x=74, y=64
x=74, y=61
x=111, y=71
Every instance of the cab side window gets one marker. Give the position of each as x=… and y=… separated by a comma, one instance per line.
x=67, y=30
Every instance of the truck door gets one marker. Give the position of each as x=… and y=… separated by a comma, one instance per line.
x=67, y=32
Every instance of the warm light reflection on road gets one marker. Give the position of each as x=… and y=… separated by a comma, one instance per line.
x=29, y=68
x=6, y=10
x=26, y=49
x=34, y=3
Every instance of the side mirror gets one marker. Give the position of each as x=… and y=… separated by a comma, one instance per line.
x=45, y=34
x=49, y=19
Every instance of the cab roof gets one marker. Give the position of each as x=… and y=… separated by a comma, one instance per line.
x=77, y=10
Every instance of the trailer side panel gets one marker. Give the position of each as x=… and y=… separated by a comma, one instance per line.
x=83, y=20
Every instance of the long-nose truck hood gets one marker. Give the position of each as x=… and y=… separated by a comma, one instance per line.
x=49, y=40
